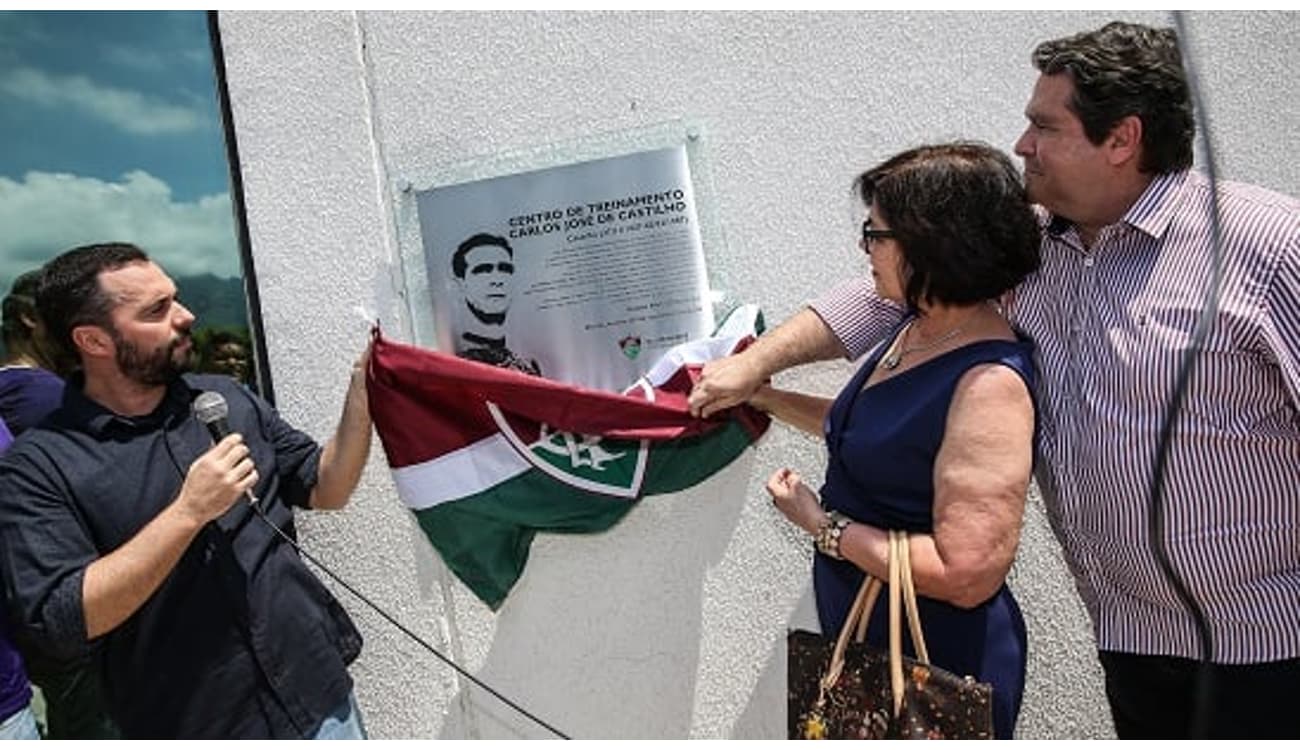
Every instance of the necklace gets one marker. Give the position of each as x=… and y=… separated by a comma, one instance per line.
x=895, y=355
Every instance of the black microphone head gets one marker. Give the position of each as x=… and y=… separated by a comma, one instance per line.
x=211, y=409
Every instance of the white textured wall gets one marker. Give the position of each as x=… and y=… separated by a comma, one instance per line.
x=672, y=624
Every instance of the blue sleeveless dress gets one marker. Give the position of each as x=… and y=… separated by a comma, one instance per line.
x=882, y=444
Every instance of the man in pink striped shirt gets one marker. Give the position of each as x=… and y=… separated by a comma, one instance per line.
x=1127, y=265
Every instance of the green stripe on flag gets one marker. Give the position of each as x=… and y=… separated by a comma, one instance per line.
x=484, y=538
x=678, y=464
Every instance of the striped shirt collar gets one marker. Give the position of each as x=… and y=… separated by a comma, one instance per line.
x=1151, y=213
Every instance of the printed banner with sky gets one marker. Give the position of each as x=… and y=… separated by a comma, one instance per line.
x=111, y=131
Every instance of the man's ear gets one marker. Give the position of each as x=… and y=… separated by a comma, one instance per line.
x=1124, y=143
x=93, y=340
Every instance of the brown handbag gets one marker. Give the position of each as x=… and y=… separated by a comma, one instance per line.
x=851, y=690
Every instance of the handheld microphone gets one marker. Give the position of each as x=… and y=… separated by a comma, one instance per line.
x=211, y=409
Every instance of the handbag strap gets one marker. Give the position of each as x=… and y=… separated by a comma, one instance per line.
x=895, y=628
x=867, y=608
x=857, y=616
x=909, y=598
x=902, y=595
x=902, y=587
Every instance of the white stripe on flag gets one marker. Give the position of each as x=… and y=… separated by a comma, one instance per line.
x=461, y=473
x=739, y=324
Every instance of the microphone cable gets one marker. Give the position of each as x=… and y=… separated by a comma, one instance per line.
x=257, y=508
x=1203, y=692
x=255, y=504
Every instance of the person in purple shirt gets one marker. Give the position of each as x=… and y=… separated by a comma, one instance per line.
x=29, y=387
x=16, y=720
x=30, y=390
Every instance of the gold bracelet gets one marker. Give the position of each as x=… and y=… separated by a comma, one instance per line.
x=828, y=534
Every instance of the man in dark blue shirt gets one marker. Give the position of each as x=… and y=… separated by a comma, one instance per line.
x=124, y=535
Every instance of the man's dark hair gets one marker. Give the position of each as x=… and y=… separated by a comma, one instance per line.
x=69, y=294
x=18, y=304
x=961, y=216
x=458, y=264
x=1127, y=69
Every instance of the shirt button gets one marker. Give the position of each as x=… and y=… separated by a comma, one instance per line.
x=1088, y=262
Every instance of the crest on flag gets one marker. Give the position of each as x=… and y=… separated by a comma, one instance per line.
x=585, y=462
x=631, y=346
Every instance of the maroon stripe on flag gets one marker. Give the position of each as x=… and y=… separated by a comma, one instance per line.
x=426, y=404
x=450, y=389
x=417, y=424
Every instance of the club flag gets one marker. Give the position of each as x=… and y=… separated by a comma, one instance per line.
x=486, y=456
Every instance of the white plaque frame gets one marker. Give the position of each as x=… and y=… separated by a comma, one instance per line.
x=608, y=237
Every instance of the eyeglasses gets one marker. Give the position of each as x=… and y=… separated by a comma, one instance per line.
x=870, y=236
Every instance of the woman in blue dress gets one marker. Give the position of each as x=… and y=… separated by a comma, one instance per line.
x=934, y=434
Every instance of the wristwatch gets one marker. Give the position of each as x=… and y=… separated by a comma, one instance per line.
x=828, y=534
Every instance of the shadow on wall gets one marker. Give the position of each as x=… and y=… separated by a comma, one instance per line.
x=757, y=722
x=601, y=636
x=1065, y=694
